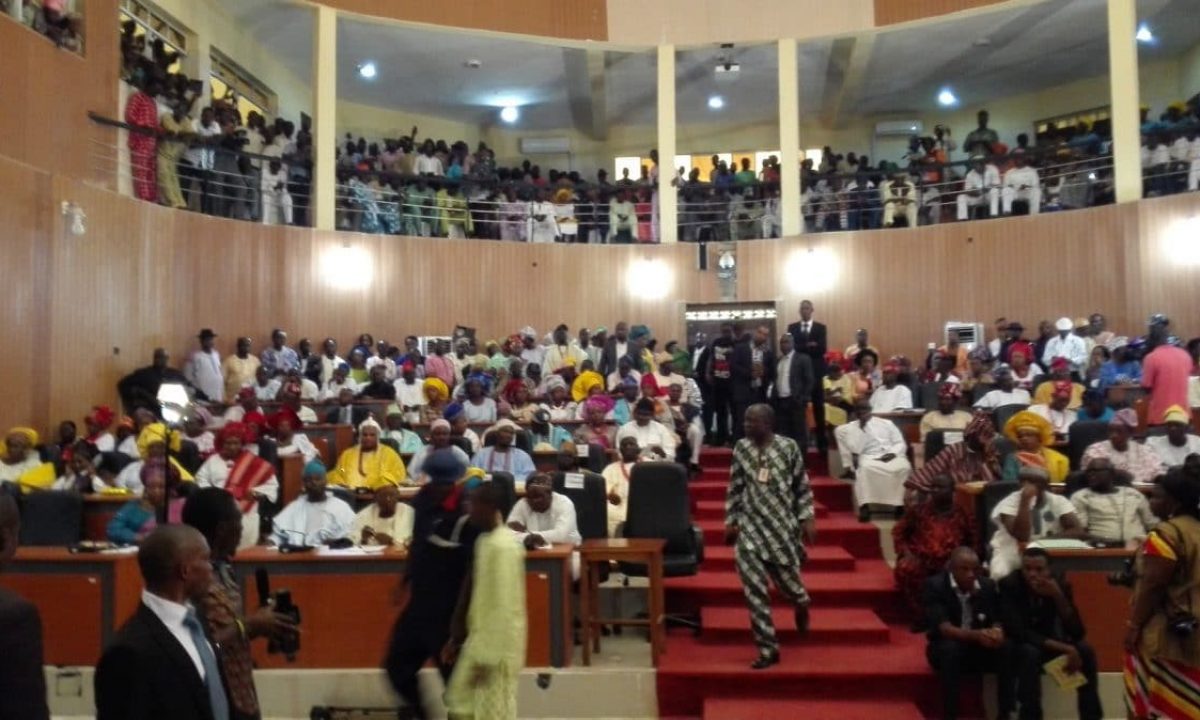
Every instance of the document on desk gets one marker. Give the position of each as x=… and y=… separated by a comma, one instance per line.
x=341, y=552
x=1057, y=669
x=1060, y=544
x=127, y=550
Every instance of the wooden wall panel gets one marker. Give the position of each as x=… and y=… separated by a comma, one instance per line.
x=890, y=12
x=575, y=19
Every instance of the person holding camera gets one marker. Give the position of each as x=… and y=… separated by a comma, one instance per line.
x=1162, y=664
x=215, y=513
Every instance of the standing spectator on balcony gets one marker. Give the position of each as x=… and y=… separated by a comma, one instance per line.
x=201, y=158
x=932, y=166
x=622, y=219
x=455, y=214
x=981, y=184
x=141, y=111
x=276, y=202
x=514, y=217
x=176, y=130
x=427, y=163
x=770, y=221
x=899, y=195
x=982, y=138
x=543, y=221
x=1022, y=183
x=230, y=184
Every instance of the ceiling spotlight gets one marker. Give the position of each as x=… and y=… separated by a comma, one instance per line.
x=716, y=102
x=947, y=98
x=509, y=113
x=474, y=63
x=1143, y=34
x=366, y=70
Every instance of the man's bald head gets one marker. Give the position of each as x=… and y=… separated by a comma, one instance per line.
x=174, y=562
x=10, y=526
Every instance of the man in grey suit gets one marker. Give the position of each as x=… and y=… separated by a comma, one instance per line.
x=789, y=394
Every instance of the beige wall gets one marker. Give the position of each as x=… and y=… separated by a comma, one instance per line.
x=374, y=124
x=707, y=22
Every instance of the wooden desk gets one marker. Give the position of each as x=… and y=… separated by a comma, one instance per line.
x=83, y=598
x=1102, y=607
x=98, y=510
x=337, y=438
x=594, y=552
x=348, y=613
x=907, y=422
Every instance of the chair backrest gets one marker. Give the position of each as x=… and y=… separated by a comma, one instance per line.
x=392, y=443
x=927, y=395
x=1080, y=435
x=979, y=391
x=597, y=458
x=935, y=442
x=51, y=518
x=586, y=490
x=659, y=505
x=991, y=496
x=189, y=456
x=1002, y=414
x=462, y=444
x=508, y=491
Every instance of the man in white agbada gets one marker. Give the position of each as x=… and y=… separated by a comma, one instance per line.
x=1022, y=183
x=203, y=368
x=316, y=517
x=650, y=434
x=891, y=396
x=873, y=452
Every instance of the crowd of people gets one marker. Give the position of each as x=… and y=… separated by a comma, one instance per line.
x=52, y=18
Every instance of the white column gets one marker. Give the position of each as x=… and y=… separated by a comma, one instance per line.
x=789, y=139
x=1125, y=99
x=668, y=199
x=324, y=190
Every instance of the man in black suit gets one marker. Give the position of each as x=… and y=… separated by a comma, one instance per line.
x=752, y=371
x=22, y=682
x=616, y=347
x=160, y=665
x=346, y=412
x=962, y=612
x=718, y=373
x=139, y=389
x=1042, y=623
x=790, y=392
x=811, y=338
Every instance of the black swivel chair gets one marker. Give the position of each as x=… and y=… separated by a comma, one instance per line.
x=1082, y=434
x=51, y=518
x=660, y=507
x=590, y=500
x=935, y=442
x=597, y=458
x=927, y=395
x=462, y=443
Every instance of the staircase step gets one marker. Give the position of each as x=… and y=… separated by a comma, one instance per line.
x=860, y=539
x=869, y=585
x=834, y=494
x=716, y=457
x=749, y=709
x=821, y=558
x=826, y=626
x=715, y=510
x=709, y=489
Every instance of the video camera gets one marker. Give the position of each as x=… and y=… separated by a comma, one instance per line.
x=281, y=603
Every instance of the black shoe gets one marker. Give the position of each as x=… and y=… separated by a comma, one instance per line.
x=802, y=619
x=762, y=662
x=864, y=513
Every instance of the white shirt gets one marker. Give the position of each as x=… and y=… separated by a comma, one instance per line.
x=129, y=446
x=996, y=398
x=399, y=525
x=654, y=433
x=308, y=391
x=172, y=614
x=1005, y=550
x=105, y=442
x=556, y=525
x=783, y=376
x=1072, y=348
x=1018, y=178
x=271, y=179
x=879, y=437
x=1171, y=455
x=204, y=371
x=202, y=156
x=300, y=445
x=546, y=229
x=130, y=477
x=1160, y=154
x=215, y=473
x=265, y=393
x=1033, y=372
x=314, y=522
x=976, y=181
x=1060, y=420
x=427, y=164
x=333, y=389
x=889, y=400
x=1119, y=516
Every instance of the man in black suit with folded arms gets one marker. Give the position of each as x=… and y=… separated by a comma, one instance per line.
x=160, y=665
x=22, y=682
x=790, y=392
x=811, y=338
x=962, y=612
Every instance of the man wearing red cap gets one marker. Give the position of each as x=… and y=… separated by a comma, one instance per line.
x=1060, y=372
x=1057, y=409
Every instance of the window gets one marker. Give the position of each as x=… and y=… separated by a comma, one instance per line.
x=251, y=94
x=152, y=24
x=1048, y=128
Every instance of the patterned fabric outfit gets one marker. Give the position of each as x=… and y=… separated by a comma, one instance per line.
x=768, y=500
x=924, y=539
x=142, y=111
x=218, y=610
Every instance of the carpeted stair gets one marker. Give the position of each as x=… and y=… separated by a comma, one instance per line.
x=857, y=661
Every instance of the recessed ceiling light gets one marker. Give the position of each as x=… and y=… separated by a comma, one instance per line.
x=947, y=98
x=1143, y=34
x=366, y=70
x=474, y=63
x=509, y=113
x=982, y=42
x=716, y=102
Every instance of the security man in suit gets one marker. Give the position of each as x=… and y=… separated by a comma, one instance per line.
x=790, y=392
x=22, y=684
x=811, y=338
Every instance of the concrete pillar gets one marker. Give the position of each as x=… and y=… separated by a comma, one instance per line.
x=668, y=199
x=324, y=181
x=1125, y=99
x=789, y=138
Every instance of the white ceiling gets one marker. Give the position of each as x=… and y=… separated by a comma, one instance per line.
x=422, y=70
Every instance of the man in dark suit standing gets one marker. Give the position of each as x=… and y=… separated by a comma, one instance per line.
x=160, y=665
x=346, y=412
x=811, y=338
x=962, y=612
x=616, y=347
x=790, y=392
x=753, y=368
x=22, y=682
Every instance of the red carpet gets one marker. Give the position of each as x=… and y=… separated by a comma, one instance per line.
x=858, y=660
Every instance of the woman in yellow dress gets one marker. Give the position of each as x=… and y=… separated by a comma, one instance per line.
x=1033, y=435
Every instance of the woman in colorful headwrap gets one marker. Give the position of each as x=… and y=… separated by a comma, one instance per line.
x=1162, y=666
x=195, y=430
x=925, y=537
x=20, y=463
x=596, y=429
x=478, y=407
x=243, y=474
x=839, y=389
x=1033, y=435
x=974, y=460
x=1025, y=371
x=138, y=518
x=436, y=397
x=517, y=395
x=948, y=415
x=558, y=400
x=979, y=369
x=368, y=464
x=97, y=422
x=151, y=446
x=586, y=385
x=641, y=336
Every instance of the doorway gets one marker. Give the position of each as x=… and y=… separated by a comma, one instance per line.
x=703, y=320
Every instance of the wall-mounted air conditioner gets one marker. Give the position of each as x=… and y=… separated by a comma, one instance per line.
x=893, y=128
x=546, y=146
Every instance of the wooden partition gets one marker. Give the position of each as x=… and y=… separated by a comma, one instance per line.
x=83, y=311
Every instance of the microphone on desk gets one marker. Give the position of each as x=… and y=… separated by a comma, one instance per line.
x=287, y=547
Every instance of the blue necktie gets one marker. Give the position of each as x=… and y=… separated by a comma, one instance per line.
x=212, y=675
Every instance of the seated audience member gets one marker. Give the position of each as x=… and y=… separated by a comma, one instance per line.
x=1174, y=447
x=1112, y=513
x=151, y=446
x=624, y=370
x=302, y=388
x=369, y=464
x=126, y=434
x=459, y=427
x=1139, y=460
x=1021, y=183
x=558, y=399
x=387, y=521
x=1034, y=436
x=97, y=422
x=979, y=369
x=1025, y=371
x=1042, y=623
x=410, y=394
x=1094, y=407
x=948, y=415
x=542, y=432
x=866, y=376
x=315, y=518
x=839, y=390
x=595, y=429
x=503, y=456
x=265, y=387
x=616, y=482
x=346, y=412
x=379, y=387
x=981, y=185
x=437, y=395
x=924, y=539
x=686, y=421
x=20, y=463
x=873, y=452
x=899, y=195
x=439, y=439
x=243, y=474
x=650, y=434
x=1028, y=514
x=339, y=381
x=477, y=406
x=1057, y=409
x=246, y=407
x=79, y=473
x=137, y=518
x=623, y=408
x=288, y=441
x=974, y=460
x=195, y=431
x=407, y=440
x=891, y=396
x=1060, y=375
x=544, y=517
x=962, y=614
x=517, y=395
x=1122, y=369
x=1004, y=392
x=944, y=369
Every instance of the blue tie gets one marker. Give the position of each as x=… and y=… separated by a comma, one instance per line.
x=212, y=675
